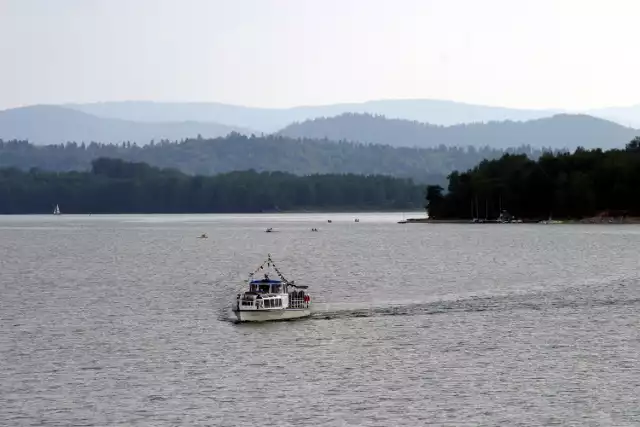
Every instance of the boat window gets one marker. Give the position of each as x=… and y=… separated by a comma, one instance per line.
x=276, y=288
x=253, y=287
x=264, y=288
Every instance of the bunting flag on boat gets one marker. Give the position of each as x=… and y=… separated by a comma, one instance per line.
x=269, y=262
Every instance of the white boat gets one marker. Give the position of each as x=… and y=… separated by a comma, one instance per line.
x=56, y=210
x=271, y=299
x=550, y=221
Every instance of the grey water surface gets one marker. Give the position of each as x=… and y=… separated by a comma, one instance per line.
x=125, y=320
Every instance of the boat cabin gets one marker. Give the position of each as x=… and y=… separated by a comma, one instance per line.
x=267, y=286
x=271, y=294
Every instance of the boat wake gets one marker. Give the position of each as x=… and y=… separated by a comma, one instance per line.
x=611, y=295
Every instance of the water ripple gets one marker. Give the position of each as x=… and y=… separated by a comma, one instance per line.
x=125, y=321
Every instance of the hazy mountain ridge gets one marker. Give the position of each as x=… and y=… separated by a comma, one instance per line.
x=437, y=112
x=561, y=131
x=50, y=124
x=273, y=119
x=47, y=124
x=627, y=116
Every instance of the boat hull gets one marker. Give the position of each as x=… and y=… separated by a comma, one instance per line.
x=271, y=315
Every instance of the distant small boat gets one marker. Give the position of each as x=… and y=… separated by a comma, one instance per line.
x=550, y=221
x=314, y=229
x=269, y=230
x=203, y=236
x=357, y=220
x=56, y=210
x=329, y=221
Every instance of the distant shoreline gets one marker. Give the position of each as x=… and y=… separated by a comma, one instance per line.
x=283, y=212
x=595, y=221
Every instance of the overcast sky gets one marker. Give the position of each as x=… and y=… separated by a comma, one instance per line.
x=277, y=53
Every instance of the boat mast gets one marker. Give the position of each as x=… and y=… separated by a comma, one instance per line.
x=477, y=207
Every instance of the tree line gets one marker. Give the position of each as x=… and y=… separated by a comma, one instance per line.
x=117, y=186
x=582, y=184
x=201, y=156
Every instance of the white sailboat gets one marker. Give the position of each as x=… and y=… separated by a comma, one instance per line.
x=56, y=210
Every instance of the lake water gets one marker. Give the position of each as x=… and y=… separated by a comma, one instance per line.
x=124, y=320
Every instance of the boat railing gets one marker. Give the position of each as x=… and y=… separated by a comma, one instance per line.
x=298, y=303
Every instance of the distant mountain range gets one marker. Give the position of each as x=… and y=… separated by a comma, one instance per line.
x=419, y=123
x=268, y=120
x=562, y=131
x=48, y=124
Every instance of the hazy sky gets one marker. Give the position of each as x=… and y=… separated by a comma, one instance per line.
x=278, y=53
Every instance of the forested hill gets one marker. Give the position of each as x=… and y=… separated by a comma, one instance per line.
x=583, y=184
x=562, y=131
x=115, y=186
x=270, y=153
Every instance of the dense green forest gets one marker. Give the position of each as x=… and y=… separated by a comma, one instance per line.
x=268, y=153
x=583, y=184
x=116, y=186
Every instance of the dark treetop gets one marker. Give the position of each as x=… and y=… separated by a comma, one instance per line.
x=578, y=185
x=116, y=186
